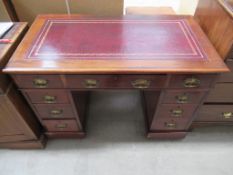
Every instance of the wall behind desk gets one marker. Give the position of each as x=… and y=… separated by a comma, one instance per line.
x=28, y=9
x=3, y=13
x=186, y=7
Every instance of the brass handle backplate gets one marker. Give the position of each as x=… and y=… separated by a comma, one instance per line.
x=182, y=99
x=62, y=125
x=40, y=83
x=49, y=99
x=56, y=112
x=141, y=84
x=192, y=82
x=176, y=112
x=91, y=83
x=227, y=115
x=170, y=125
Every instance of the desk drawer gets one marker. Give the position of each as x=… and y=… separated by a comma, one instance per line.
x=221, y=93
x=169, y=124
x=38, y=81
x=142, y=81
x=172, y=111
x=116, y=81
x=191, y=81
x=47, y=96
x=183, y=97
x=221, y=113
x=60, y=125
x=51, y=111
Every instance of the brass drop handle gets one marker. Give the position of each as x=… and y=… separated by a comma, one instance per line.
x=227, y=115
x=91, y=83
x=62, y=126
x=176, y=112
x=141, y=84
x=182, y=99
x=40, y=83
x=56, y=112
x=170, y=125
x=49, y=99
x=192, y=82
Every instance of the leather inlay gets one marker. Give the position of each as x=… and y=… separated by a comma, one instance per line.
x=116, y=39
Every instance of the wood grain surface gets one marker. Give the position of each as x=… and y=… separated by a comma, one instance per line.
x=148, y=44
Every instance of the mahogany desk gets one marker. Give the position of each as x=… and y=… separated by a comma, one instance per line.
x=167, y=58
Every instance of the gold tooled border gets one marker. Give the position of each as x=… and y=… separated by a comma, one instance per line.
x=40, y=40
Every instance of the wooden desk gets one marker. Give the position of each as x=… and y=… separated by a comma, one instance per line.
x=167, y=58
x=19, y=128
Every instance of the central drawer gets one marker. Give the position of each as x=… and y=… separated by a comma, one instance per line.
x=115, y=81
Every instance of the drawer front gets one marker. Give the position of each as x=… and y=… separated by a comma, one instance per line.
x=216, y=113
x=57, y=111
x=38, y=81
x=91, y=81
x=191, y=81
x=222, y=93
x=116, y=81
x=142, y=81
x=60, y=125
x=179, y=112
x=48, y=96
x=169, y=124
x=183, y=97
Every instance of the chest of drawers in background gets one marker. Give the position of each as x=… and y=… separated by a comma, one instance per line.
x=19, y=127
x=216, y=19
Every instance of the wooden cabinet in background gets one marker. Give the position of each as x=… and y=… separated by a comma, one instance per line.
x=216, y=19
x=18, y=126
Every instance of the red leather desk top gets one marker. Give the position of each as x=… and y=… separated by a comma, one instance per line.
x=116, y=39
x=128, y=44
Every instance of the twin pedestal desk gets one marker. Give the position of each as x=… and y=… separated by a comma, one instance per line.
x=167, y=58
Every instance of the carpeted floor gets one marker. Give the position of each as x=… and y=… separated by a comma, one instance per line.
x=115, y=145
